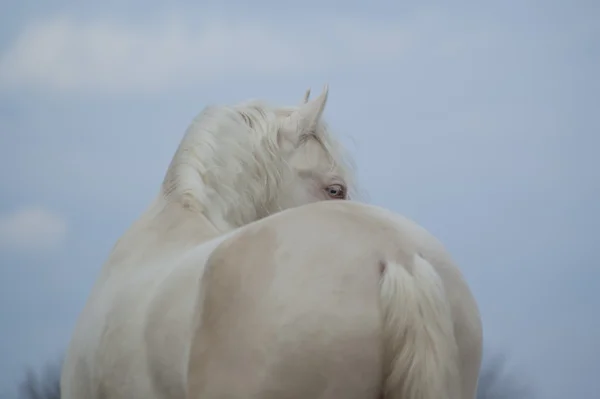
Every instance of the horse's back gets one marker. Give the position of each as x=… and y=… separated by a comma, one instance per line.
x=290, y=305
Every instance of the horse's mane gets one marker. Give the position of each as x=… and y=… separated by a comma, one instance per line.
x=229, y=155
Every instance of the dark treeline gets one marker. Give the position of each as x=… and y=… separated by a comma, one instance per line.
x=42, y=385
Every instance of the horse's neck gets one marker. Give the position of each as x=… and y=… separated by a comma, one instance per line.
x=164, y=230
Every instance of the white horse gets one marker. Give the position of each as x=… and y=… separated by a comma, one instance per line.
x=242, y=281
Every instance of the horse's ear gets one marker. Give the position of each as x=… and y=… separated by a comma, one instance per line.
x=306, y=96
x=305, y=118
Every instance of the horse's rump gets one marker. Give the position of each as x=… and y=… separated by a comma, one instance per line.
x=290, y=307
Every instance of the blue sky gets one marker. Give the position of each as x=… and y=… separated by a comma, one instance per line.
x=478, y=121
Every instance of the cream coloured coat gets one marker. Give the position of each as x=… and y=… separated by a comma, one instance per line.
x=289, y=306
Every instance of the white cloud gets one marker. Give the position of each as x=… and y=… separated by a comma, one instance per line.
x=32, y=229
x=67, y=54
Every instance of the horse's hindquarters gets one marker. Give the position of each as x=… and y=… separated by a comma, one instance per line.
x=287, y=319
x=291, y=308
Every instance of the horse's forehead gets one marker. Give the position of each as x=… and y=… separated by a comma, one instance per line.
x=311, y=154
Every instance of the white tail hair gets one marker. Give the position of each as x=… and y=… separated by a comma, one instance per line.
x=420, y=349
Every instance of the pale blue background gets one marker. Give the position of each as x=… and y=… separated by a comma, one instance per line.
x=479, y=121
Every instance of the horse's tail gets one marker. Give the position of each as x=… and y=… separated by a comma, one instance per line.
x=421, y=353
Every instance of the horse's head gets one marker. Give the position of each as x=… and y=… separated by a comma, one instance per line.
x=239, y=164
x=315, y=166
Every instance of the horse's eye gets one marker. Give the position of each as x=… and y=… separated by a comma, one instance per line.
x=336, y=191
